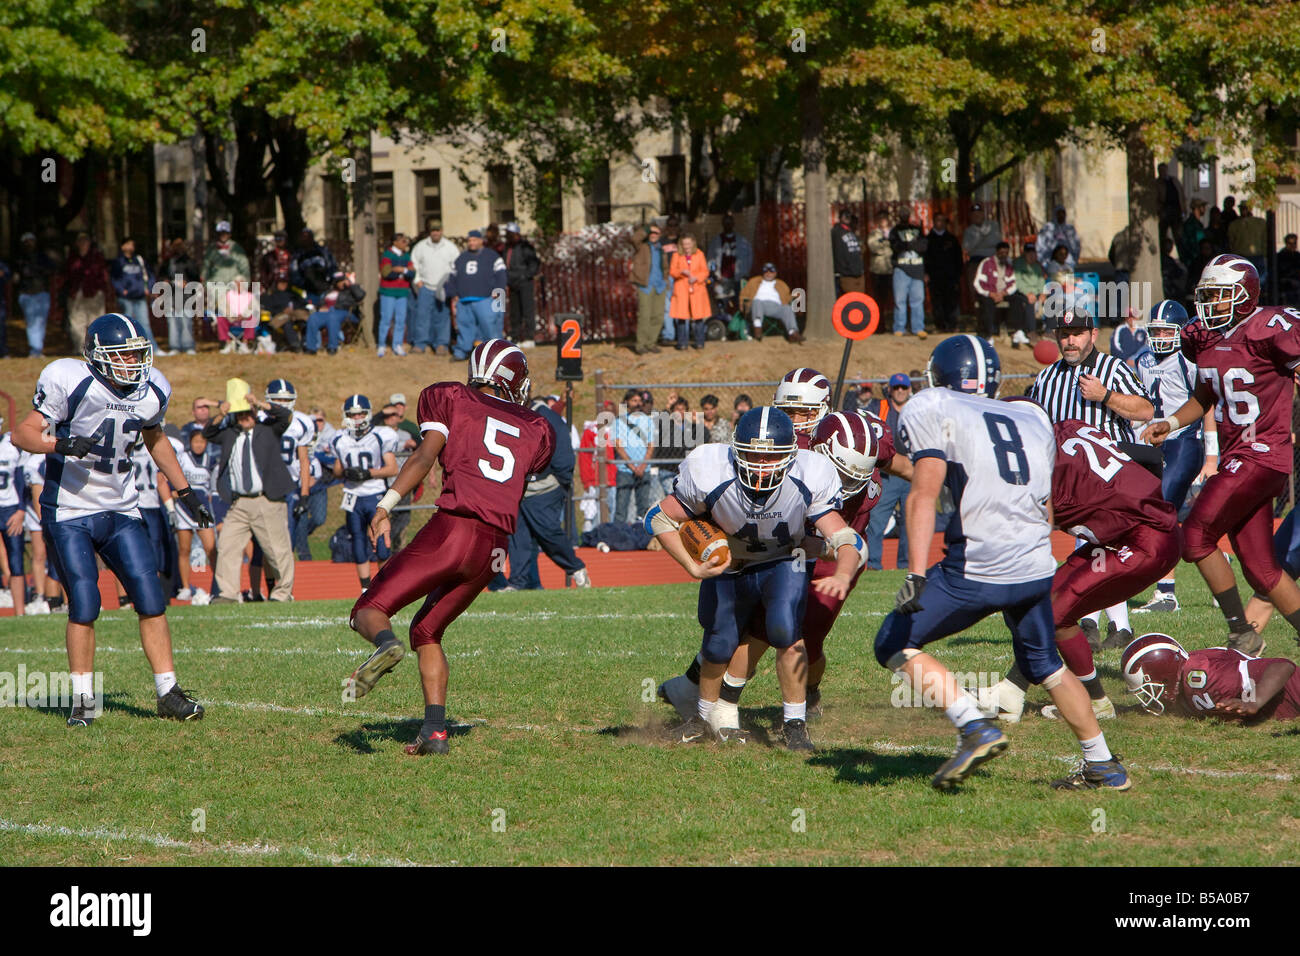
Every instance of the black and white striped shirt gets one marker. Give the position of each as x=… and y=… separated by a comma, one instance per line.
x=1057, y=389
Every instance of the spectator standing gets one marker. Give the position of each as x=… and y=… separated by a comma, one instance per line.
x=132, y=280
x=1248, y=238
x=476, y=289
x=1226, y=219
x=1173, y=272
x=1125, y=247
x=979, y=241
x=433, y=257
x=766, y=296
x=742, y=404
x=995, y=289
x=1288, y=271
x=717, y=427
x=201, y=410
x=1192, y=232
x=177, y=270
x=522, y=267
x=858, y=397
x=33, y=272
x=1173, y=203
x=908, y=245
x=1031, y=282
x=86, y=280
x=1058, y=232
x=943, y=267
x=846, y=256
x=731, y=259
x=881, y=263
x=633, y=444
x=1203, y=256
x=312, y=268
x=394, y=293
x=648, y=275
x=672, y=236
x=225, y=268
x=893, y=490
x=339, y=304
x=690, y=302
x=277, y=262
x=492, y=239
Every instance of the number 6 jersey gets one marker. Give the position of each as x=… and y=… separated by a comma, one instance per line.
x=492, y=447
x=77, y=403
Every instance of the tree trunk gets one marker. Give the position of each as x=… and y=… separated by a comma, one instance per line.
x=1146, y=285
x=199, y=183
x=817, y=213
x=365, y=233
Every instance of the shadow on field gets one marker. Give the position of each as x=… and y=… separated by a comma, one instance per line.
x=362, y=739
x=863, y=767
x=116, y=701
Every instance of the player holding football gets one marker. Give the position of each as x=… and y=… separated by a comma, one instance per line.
x=762, y=491
x=1216, y=682
x=1245, y=355
x=488, y=442
x=97, y=413
x=997, y=461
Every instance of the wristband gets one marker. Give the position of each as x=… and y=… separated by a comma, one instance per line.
x=1106, y=398
x=1212, y=444
x=1173, y=422
x=389, y=500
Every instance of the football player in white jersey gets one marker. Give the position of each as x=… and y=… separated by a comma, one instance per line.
x=11, y=517
x=49, y=596
x=194, y=464
x=364, y=455
x=762, y=490
x=1170, y=378
x=87, y=417
x=150, y=502
x=996, y=458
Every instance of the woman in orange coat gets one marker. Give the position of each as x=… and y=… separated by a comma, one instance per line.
x=690, y=303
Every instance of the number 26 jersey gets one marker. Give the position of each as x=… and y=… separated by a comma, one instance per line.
x=493, y=445
x=77, y=403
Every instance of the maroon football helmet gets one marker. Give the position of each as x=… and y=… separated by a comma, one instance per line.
x=804, y=390
x=1150, y=665
x=502, y=365
x=1227, y=292
x=848, y=440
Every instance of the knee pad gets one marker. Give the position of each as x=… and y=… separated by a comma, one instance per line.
x=146, y=595
x=1053, y=679
x=892, y=639
x=83, y=602
x=899, y=660
x=718, y=648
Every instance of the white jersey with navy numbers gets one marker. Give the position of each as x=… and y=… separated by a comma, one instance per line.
x=761, y=530
x=77, y=402
x=144, y=471
x=365, y=452
x=1170, y=381
x=11, y=473
x=1000, y=458
x=301, y=431
x=195, y=469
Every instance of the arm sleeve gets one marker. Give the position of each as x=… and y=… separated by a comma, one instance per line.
x=431, y=411
x=51, y=398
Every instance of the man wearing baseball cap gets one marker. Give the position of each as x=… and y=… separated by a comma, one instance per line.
x=767, y=296
x=476, y=291
x=893, y=490
x=398, y=401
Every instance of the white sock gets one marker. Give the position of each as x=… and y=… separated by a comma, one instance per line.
x=704, y=707
x=83, y=685
x=164, y=682
x=1119, y=615
x=1095, y=749
x=724, y=714
x=964, y=711
x=1095, y=617
x=797, y=711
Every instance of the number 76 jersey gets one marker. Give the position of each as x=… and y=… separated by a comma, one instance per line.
x=77, y=403
x=493, y=445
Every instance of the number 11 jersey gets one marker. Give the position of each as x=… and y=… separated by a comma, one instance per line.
x=493, y=445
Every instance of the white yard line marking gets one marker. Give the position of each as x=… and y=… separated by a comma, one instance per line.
x=167, y=843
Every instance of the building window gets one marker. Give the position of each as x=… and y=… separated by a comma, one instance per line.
x=501, y=194
x=599, y=207
x=429, y=196
x=385, y=216
x=338, y=223
x=672, y=185
x=171, y=201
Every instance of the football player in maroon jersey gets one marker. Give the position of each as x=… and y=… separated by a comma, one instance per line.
x=1216, y=682
x=805, y=395
x=488, y=444
x=1245, y=355
x=1104, y=497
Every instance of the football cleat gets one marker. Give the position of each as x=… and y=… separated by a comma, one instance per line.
x=1003, y=701
x=978, y=742
x=1092, y=632
x=724, y=719
x=179, y=705
x=201, y=598
x=6, y=599
x=435, y=743
x=681, y=694
x=693, y=731
x=39, y=606
x=363, y=680
x=1117, y=638
x=83, y=712
x=1250, y=643
x=1102, y=709
x=1096, y=775
x=1160, y=601
x=581, y=579
x=795, y=733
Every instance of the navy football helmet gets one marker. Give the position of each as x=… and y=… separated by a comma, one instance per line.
x=1164, y=316
x=281, y=392
x=765, y=447
x=965, y=363
x=356, y=415
x=117, y=348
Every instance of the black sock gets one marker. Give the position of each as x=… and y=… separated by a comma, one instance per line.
x=1017, y=678
x=730, y=693
x=383, y=637
x=693, y=672
x=1293, y=619
x=435, y=720
x=56, y=602
x=1094, y=688
x=365, y=582
x=1233, y=612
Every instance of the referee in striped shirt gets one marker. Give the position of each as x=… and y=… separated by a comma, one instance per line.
x=1101, y=390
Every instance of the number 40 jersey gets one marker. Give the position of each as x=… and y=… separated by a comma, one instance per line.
x=1000, y=457
x=493, y=445
x=77, y=403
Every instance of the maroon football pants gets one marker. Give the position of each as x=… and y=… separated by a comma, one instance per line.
x=1238, y=502
x=448, y=563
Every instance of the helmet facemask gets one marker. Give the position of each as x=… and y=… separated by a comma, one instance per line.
x=765, y=475
x=1150, y=693
x=1216, y=305
x=1163, y=344
x=113, y=361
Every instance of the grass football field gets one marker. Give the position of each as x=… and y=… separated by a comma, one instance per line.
x=557, y=755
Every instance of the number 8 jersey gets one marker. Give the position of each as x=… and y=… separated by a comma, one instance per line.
x=1000, y=457
x=77, y=403
x=493, y=445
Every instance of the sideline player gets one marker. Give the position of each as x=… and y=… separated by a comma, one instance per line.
x=364, y=455
x=1215, y=682
x=11, y=517
x=1245, y=355
x=762, y=490
x=488, y=442
x=1191, y=454
x=96, y=414
x=47, y=596
x=996, y=458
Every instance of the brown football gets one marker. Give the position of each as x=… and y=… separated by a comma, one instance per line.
x=703, y=539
